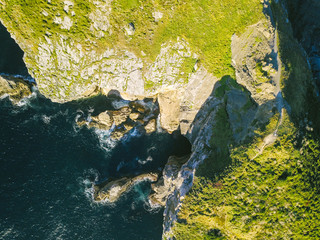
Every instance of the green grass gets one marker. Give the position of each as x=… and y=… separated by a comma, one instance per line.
x=207, y=25
x=262, y=75
x=276, y=195
x=271, y=197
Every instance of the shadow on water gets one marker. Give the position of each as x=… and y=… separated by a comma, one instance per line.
x=11, y=55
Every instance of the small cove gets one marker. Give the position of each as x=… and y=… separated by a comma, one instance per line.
x=49, y=164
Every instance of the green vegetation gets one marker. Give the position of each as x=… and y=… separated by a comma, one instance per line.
x=296, y=76
x=225, y=84
x=273, y=196
x=262, y=75
x=207, y=25
x=222, y=134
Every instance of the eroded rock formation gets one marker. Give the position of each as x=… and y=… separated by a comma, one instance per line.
x=112, y=190
x=16, y=87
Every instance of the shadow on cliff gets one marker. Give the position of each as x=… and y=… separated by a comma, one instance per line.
x=227, y=119
x=300, y=76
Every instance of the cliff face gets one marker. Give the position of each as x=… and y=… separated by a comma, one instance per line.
x=225, y=74
x=140, y=48
x=305, y=19
x=244, y=191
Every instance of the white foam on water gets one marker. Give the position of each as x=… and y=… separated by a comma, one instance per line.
x=26, y=100
x=152, y=208
x=90, y=110
x=106, y=142
x=87, y=187
x=120, y=165
x=135, y=133
x=148, y=159
x=159, y=128
x=4, y=96
x=8, y=233
x=46, y=119
x=79, y=114
x=90, y=176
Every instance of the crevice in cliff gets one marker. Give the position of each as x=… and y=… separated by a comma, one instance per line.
x=305, y=21
x=133, y=126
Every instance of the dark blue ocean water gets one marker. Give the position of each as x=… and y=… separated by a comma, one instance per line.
x=48, y=165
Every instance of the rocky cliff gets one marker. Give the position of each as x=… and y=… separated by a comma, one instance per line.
x=138, y=48
x=227, y=74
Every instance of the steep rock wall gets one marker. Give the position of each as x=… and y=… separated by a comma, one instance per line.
x=243, y=105
x=83, y=49
x=140, y=48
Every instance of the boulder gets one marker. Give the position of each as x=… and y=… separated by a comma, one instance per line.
x=151, y=126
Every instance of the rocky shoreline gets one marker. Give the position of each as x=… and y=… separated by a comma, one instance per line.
x=15, y=87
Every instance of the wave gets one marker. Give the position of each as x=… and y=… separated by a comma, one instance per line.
x=58, y=232
x=106, y=142
x=25, y=102
x=90, y=177
x=148, y=159
x=159, y=128
x=9, y=233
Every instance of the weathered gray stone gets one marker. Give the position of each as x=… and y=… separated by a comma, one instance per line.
x=112, y=190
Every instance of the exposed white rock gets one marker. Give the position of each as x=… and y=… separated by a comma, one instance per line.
x=129, y=29
x=67, y=5
x=100, y=22
x=157, y=15
x=66, y=23
x=45, y=13
x=198, y=90
x=57, y=20
x=166, y=69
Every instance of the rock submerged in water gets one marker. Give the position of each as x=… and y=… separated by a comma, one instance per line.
x=16, y=87
x=112, y=190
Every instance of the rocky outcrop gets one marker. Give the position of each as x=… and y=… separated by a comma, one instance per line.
x=15, y=87
x=190, y=98
x=249, y=102
x=112, y=190
x=168, y=181
x=75, y=54
x=138, y=113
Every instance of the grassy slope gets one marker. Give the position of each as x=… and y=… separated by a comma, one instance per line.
x=207, y=25
x=270, y=197
x=276, y=195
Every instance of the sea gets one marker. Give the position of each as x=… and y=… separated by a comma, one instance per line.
x=48, y=165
